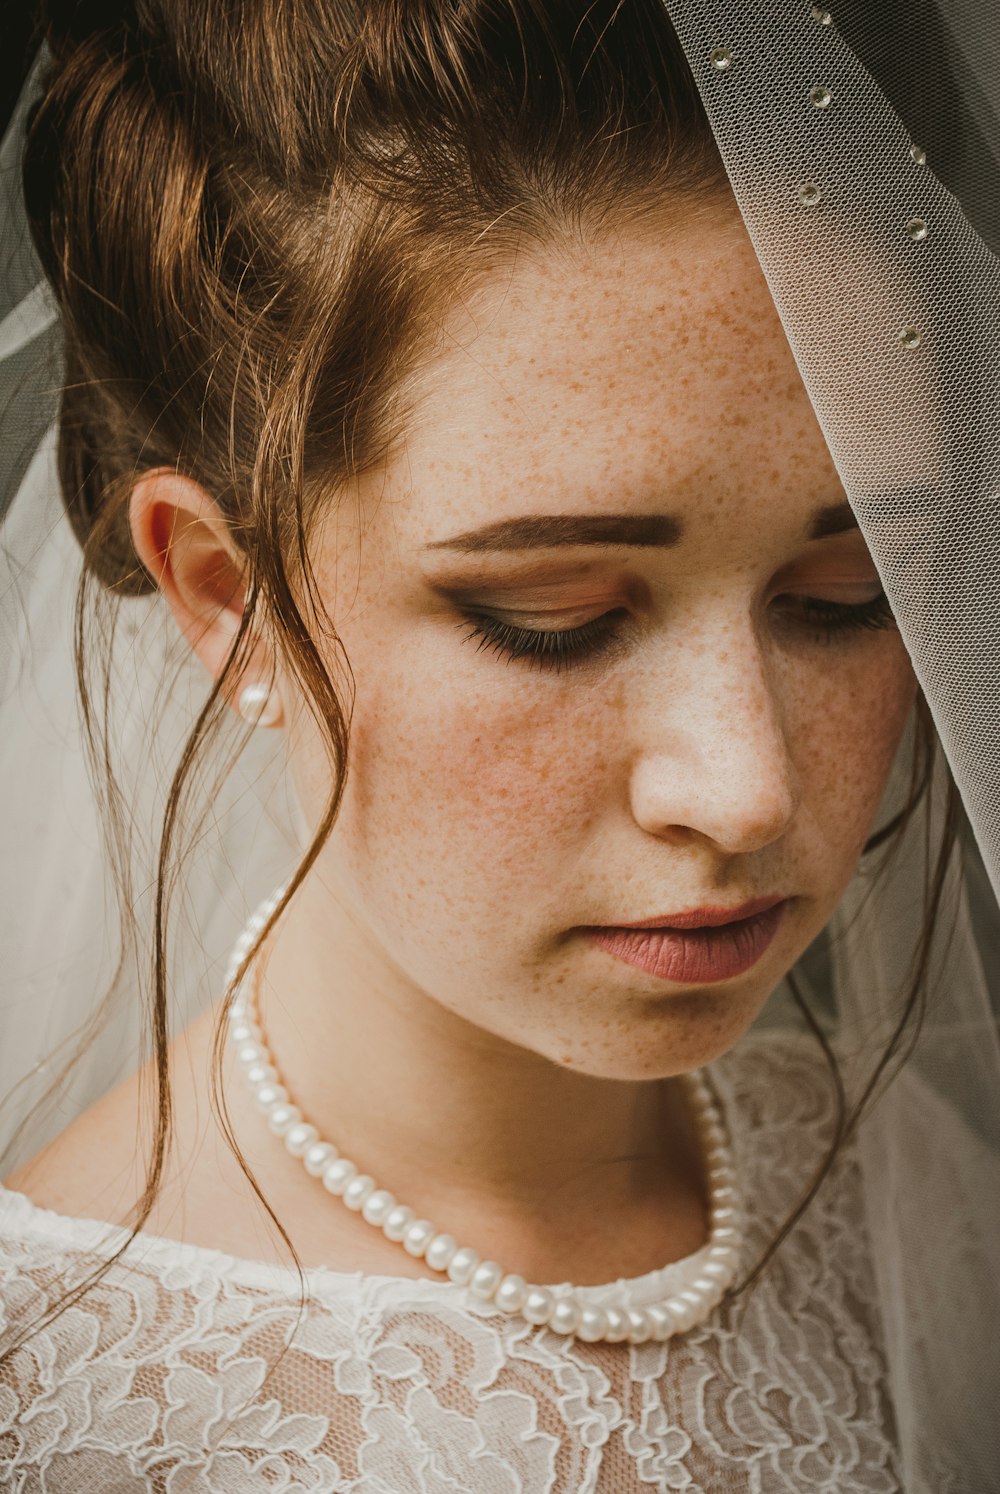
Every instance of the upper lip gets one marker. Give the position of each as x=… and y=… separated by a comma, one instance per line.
x=703, y=918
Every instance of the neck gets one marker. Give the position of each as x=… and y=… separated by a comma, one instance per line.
x=459, y=1123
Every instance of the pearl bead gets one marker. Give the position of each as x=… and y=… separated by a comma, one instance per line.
x=678, y=1313
x=357, y=1191
x=593, y=1324
x=299, y=1137
x=709, y=1289
x=724, y=1255
x=268, y=1095
x=377, y=1206
x=538, y=1305
x=726, y=1235
x=565, y=1315
x=397, y=1222
x=511, y=1292
x=261, y=1073
x=661, y=1321
x=695, y=1301
x=717, y=1271
x=317, y=1158
x=462, y=1265
x=640, y=1325
x=252, y=1053
x=485, y=1279
x=617, y=1329
x=244, y=1032
x=337, y=1176
x=282, y=1118
x=721, y=1176
x=725, y=1216
x=259, y=705
x=682, y=1312
x=440, y=1251
x=418, y=1236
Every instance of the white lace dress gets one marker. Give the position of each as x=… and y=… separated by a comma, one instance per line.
x=166, y=1376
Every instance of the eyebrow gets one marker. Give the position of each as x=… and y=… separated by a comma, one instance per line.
x=544, y=531
x=539, y=531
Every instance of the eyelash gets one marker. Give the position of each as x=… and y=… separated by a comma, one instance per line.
x=563, y=648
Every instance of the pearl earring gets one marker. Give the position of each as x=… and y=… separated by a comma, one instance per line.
x=259, y=705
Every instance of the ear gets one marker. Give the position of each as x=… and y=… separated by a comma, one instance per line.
x=184, y=541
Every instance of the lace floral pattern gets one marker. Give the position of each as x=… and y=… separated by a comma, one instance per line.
x=187, y=1372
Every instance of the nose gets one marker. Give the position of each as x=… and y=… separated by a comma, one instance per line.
x=711, y=754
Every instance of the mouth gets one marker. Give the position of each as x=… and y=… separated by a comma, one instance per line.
x=699, y=947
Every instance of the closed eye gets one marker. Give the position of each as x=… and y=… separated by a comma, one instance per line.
x=833, y=618
x=547, y=647
x=561, y=648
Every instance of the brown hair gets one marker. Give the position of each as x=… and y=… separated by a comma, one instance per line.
x=249, y=213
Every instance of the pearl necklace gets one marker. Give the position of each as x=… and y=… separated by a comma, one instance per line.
x=563, y=1310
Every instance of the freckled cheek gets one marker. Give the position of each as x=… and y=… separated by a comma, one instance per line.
x=848, y=734
x=496, y=768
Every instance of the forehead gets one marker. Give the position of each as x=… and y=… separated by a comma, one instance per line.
x=644, y=364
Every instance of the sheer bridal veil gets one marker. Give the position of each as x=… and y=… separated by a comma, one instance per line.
x=863, y=147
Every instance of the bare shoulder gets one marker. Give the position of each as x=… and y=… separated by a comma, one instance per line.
x=91, y=1167
x=96, y=1167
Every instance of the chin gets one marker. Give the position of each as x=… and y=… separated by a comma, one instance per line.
x=680, y=1032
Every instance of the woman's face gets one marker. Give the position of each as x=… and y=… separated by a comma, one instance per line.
x=620, y=655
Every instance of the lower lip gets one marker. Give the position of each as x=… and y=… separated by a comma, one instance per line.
x=695, y=957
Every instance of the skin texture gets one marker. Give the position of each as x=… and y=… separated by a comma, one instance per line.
x=431, y=998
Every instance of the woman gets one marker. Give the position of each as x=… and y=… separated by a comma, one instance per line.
x=421, y=361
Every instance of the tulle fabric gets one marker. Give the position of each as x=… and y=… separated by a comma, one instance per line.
x=880, y=246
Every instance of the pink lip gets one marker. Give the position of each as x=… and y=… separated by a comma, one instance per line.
x=696, y=948
x=700, y=918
